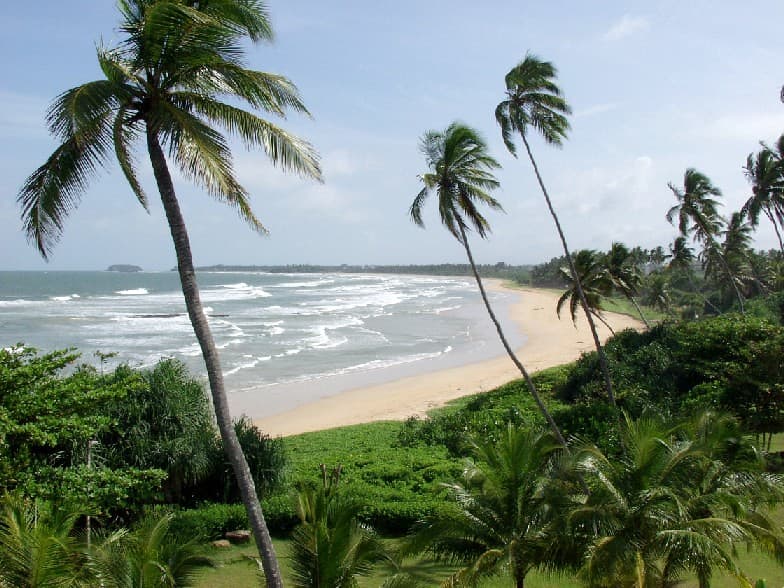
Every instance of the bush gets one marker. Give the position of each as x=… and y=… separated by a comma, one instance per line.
x=209, y=522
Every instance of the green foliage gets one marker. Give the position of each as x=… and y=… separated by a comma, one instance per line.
x=266, y=459
x=331, y=548
x=164, y=422
x=47, y=418
x=730, y=362
x=397, y=485
x=208, y=521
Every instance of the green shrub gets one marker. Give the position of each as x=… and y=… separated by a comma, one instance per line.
x=209, y=522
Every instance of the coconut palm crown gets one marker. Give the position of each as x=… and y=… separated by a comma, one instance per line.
x=165, y=81
x=533, y=100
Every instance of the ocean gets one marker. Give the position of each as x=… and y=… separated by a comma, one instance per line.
x=290, y=338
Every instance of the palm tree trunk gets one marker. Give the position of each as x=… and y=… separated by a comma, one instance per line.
x=201, y=328
x=775, y=227
x=697, y=291
x=639, y=311
x=604, y=322
x=531, y=386
x=581, y=293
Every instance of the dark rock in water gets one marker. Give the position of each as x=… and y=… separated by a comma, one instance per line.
x=123, y=267
x=241, y=536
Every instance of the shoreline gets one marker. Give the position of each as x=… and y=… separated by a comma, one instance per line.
x=549, y=342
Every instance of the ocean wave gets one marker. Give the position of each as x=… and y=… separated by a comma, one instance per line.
x=133, y=292
x=310, y=284
x=65, y=298
x=19, y=302
x=446, y=309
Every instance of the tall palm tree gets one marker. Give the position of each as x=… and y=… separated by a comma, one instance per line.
x=624, y=274
x=596, y=284
x=697, y=214
x=164, y=82
x=510, y=511
x=766, y=175
x=534, y=100
x=461, y=175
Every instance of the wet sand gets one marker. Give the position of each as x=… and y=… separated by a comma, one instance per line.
x=550, y=342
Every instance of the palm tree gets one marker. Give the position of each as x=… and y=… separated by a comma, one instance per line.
x=766, y=176
x=676, y=503
x=657, y=291
x=682, y=261
x=149, y=557
x=38, y=547
x=164, y=82
x=624, y=274
x=533, y=100
x=331, y=547
x=460, y=175
x=697, y=214
x=510, y=511
x=596, y=284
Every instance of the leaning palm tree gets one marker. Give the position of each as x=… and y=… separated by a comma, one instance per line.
x=533, y=100
x=460, y=175
x=766, y=176
x=510, y=512
x=165, y=83
x=697, y=214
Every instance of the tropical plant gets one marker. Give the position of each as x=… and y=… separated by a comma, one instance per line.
x=624, y=274
x=534, y=100
x=148, y=557
x=681, y=263
x=460, y=173
x=765, y=173
x=331, y=547
x=163, y=82
x=656, y=293
x=509, y=513
x=38, y=547
x=675, y=504
x=596, y=284
x=164, y=422
x=697, y=214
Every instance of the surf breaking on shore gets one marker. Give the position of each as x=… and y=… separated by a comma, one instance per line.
x=550, y=342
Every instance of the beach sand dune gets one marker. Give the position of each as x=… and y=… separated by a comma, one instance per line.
x=550, y=342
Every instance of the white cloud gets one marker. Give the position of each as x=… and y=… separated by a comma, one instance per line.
x=595, y=110
x=746, y=126
x=626, y=27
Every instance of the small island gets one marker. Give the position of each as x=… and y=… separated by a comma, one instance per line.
x=123, y=267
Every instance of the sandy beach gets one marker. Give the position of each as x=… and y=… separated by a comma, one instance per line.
x=550, y=342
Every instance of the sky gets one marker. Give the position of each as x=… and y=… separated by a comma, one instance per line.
x=656, y=87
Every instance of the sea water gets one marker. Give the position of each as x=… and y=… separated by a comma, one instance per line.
x=328, y=331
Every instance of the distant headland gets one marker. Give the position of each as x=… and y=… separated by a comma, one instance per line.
x=498, y=270
x=123, y=267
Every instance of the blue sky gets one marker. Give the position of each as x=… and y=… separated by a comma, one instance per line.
x=656, y=87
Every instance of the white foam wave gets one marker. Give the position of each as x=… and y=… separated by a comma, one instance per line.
x=310, y=284
x=65, y=298
x=19, y=302
x=133, y=292
x=446, y=309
